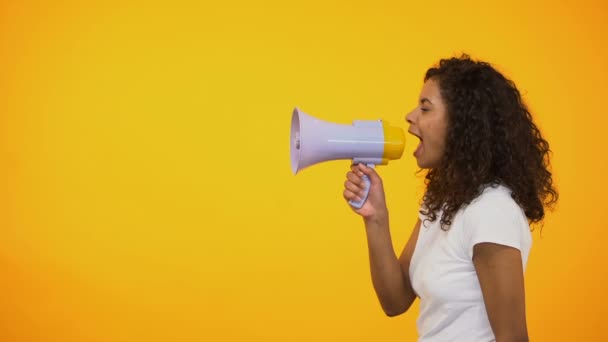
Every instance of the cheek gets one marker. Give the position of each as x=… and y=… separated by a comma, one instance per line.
x=443, y=132
x=439, y=135
x=441, y=127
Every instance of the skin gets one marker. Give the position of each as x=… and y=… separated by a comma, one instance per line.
x=498, y=267
x=429, y=122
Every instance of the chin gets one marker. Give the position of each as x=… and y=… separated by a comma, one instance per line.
x=425, y=164
x=422, y=165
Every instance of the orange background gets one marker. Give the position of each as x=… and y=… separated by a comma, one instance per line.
x=145, y=188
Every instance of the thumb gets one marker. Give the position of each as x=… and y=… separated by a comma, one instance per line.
x=370, y=172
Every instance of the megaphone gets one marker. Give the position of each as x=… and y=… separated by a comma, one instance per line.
x=372, y=142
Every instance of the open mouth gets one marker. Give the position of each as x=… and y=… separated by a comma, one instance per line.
x=419, y=147
x=414, y=134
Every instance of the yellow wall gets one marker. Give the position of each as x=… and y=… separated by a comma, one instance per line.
x=145, y=186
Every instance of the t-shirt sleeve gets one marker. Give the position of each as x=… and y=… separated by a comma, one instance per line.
x=495, y=217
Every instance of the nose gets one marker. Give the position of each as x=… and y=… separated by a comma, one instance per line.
x=411, y=116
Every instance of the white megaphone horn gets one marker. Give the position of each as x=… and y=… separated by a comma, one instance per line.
x=371, y=142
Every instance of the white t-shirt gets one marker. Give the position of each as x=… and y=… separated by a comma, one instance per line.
x=442, y=271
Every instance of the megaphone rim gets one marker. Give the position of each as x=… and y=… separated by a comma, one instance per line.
x=295, y=142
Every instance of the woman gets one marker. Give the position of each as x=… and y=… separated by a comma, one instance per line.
x=487, y=180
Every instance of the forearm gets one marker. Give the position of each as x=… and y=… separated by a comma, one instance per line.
x=512, y=338
x=390, y=283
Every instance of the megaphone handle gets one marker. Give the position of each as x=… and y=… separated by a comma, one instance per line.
x=359, y=204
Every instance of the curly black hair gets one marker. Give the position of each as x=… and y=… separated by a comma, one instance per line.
x=491, y=140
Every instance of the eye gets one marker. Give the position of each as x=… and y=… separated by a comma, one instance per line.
x=424, y=109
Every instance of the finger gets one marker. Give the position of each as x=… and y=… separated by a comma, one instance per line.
x=355, y=179
x=350, y=196
x=352, y=187
x=371, y=173
x=355, y=168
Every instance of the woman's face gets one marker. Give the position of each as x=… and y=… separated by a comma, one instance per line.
x=429, y=122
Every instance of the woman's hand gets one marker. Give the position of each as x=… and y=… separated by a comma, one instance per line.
x=374, y=207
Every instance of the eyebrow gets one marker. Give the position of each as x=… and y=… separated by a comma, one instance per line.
x=424, y=99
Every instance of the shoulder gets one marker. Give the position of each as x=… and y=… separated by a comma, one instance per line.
x=495, y=201
x=495, y=217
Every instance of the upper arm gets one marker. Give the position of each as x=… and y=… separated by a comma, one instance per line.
x=408, y=251
x=500, y=272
